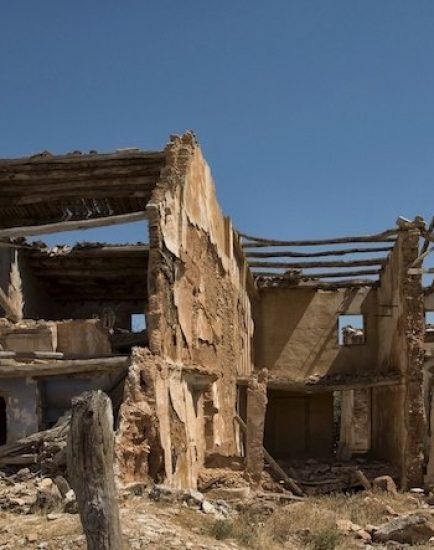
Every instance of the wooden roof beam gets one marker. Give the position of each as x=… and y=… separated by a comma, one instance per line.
x=254, y=242
x=58, y=227
x=322, y=253
x=308, y=265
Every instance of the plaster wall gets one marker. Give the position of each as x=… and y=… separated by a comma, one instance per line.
x=83, y=337
x=355, y=430
x=296, y=332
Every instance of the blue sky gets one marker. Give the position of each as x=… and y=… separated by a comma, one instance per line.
x=316, y=117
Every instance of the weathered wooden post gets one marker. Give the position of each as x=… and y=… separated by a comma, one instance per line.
x=90, y=455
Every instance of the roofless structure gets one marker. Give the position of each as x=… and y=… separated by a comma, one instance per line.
x=314, y=349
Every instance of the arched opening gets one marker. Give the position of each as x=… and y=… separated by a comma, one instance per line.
x=3, y=421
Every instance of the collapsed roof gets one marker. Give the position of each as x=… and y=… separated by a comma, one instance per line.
x=48, y=189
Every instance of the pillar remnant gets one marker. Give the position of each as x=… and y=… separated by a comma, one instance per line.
x=256, y=409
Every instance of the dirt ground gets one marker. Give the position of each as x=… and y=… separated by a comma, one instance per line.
x=317, y=523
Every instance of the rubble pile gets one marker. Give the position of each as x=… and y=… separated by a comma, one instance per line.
x=218, y=508
x=319, y=477
x=27, y=492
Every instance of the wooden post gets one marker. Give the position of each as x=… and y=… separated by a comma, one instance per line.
x=90, y=456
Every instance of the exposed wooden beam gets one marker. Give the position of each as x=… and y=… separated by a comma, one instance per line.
x=421, y=257
x=424, y=250
x=353, y=283
x=47, y=175
x=120, y=189
x=48, y=161
x=322, y=275
x=24, y=231
x=385, y=236
x=338, y=252
x=335, y=285
x=308, y=265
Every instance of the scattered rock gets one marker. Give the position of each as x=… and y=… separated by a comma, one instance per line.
x=70, y=503
x=193, y=496
x=208, y=508
x=162, y=492
x=62, y=485
x=23, y=474
x=390, y=510
x=230, y=493
x=137, y=488
x=46, y=500
x=385, y=483
x=346, y=526
x=364, y=535
x=412, y=529
x=46, y=483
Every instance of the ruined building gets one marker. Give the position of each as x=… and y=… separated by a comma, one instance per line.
x=316, y=350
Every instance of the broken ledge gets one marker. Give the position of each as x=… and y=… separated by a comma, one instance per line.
x=11, y=368
x=329, y=383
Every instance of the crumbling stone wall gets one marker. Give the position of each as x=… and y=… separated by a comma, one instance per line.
x=198, y=313
x=399, y=422
x=139, y=453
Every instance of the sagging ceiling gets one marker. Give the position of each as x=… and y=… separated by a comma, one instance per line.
x=45, y=189
x=91, y=272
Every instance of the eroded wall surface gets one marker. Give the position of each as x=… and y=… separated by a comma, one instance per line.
x=199, y=318
x=399, y=422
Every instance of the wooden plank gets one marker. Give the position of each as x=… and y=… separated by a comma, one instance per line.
x=421, y=257
x=385, y=236
x=429, y=231
x=46, y=176
x=321, y=285
x=319, y=254
x=291, y=483
x=50, y=162
x=24, y=231
x=309, y=265
x=324, y=274
x=90, y=458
